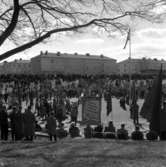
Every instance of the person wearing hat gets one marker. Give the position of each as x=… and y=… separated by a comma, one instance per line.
x=12, y=122
x=137, y=134
x=98, y=131
x=51, y=126
x=3, y=123
x=61, y=132
x=110, y=131
x=18, y=119
x=88, y=131
x=29, y=124
x=74, y=112
x=122, y=133
x=74, y=131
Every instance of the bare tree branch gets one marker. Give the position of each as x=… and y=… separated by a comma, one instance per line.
x=29, y=22
x=12, y=24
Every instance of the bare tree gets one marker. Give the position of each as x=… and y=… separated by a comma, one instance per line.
x=29, y=22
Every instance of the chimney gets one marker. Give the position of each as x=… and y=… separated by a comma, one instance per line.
x=101, y=55
x=58, y=53
x=41, y=52
x=46, y=52
x=87, y=54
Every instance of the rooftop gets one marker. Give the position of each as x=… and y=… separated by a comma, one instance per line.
x=143, y=59
x=74, y=55
x=17, y=61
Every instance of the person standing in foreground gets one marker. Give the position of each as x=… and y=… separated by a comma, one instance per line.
x=51, y=126
x=12, y=122
x=4, y=123
x=122, y=133
x=18, y=124
x=29, y=124
x=137, y=134
x=88, y=131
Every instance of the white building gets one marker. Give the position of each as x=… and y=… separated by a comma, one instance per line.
x=64, y=63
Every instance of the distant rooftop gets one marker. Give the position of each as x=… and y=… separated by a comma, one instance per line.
x=74, y=55
x=18, y=61
x=141, y=59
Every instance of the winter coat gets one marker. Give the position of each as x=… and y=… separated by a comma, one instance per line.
x=61, y=133
x=18, y=124
x=74, y=132
x=29, y=123
x=3, y=118
x=122, y=134
x=88, y=131
x=12, y=120
x=137, y=135
x=51, y=125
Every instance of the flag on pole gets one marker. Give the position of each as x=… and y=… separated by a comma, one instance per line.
x=127, y=39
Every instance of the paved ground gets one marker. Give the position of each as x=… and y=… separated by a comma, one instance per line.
x=84, y=153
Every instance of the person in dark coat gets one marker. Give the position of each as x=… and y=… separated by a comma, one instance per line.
x=110, y=131
x=123, y=103
x=61, y=132
x=51, y=126
x=152, y=135
x=135, y=114
x=74, y=113
x=88, y=131
x=98, y=131
x=137, y=134
x=4, y=123
x=110, y=127
x=108, y=99
x=60, y=113
x=74, y=131
x=122, y=133
x=29, y=124
x=18, y=124
x=12, y=122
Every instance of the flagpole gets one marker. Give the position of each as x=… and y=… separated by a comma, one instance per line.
x=129, y=66
x=130, y=78
x=130, y=75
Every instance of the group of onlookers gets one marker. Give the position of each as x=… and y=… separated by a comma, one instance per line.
x=50, y=95
x=21, y=125
x=110, y=132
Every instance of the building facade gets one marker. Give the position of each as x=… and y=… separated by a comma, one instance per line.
x=64, y=63
x=16, y=67
x=141, y=66
x=130, y=66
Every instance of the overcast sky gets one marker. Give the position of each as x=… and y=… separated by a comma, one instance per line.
x=148, y=40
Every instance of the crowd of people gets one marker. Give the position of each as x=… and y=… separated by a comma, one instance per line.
x=26, y=101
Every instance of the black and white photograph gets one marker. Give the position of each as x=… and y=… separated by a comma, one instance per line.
x=82, y=83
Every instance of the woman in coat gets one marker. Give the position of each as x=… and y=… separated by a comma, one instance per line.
x=18, y=124
x=51, y=126
x=29, y=124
